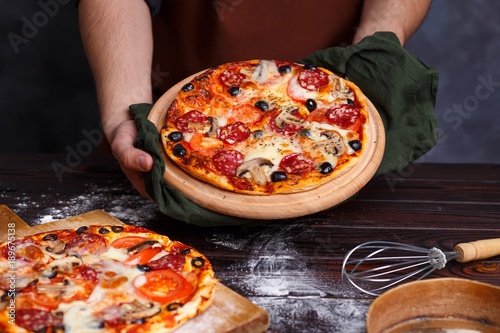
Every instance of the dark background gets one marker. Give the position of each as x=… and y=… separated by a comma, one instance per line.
x=47, y=99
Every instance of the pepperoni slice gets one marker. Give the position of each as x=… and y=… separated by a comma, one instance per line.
x=174, y=261
x=35, y=319
x=312, y=79
x=232, y=133
x=89, y=274
x=17, y=247
x=87, y=242
x=232, y=79
x=227, y=161
x=296, y=163
x=344, y=115
x=183, y=122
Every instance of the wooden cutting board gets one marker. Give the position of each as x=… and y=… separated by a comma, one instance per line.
x=230, y=312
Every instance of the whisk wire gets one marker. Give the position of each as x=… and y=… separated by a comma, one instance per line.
x=401, y=267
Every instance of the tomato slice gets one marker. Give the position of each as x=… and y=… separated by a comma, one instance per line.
x=126, y=242
x=163, y=286
x=143, y=256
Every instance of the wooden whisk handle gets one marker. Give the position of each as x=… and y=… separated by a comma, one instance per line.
x=481, y=249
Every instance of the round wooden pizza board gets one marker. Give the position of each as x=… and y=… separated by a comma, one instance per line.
x=276, y=206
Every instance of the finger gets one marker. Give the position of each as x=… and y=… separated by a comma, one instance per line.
x=124, y=151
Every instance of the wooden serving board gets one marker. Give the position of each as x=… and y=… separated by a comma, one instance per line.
x=277, y=206
x=230, y=312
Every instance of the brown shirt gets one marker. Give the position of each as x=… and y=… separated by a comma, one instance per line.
x=192, y=35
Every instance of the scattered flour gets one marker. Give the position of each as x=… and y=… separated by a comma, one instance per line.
x=277, y=270
x=127, y=207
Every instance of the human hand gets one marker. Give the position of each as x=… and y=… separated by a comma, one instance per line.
x=134, y=162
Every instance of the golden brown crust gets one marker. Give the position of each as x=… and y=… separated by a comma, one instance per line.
x=204, y=109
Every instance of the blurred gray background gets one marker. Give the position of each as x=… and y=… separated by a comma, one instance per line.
x=47, y=99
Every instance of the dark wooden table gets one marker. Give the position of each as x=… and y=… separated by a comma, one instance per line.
x=289, y=267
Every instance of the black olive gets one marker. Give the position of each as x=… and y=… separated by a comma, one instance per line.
x=310, y=67
x=58, y=329
x=104, y=231
x=311, y=105
x=143, y=268
x=325, y=168
x=175, y=136
x=173, y=306
x=305, y=132
x=4, y=297
x=350, y=102
x=258, y=134
x=233, y=91
x=50, y=237
x=42, y=330
x=117, y=228
x=262, y=105
x=185, y=251
x=179, y=150
x=284, y=69
x=198, y=262
x=138, y=321
x=82, y=229
x=355, y=145
x=187, y=87
x=278, y=176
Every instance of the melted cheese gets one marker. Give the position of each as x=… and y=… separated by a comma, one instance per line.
x=78, y=318
x=270, y=147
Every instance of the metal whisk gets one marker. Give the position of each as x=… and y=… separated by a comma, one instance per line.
x=374, y=267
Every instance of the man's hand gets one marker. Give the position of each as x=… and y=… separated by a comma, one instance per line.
x=133, y=161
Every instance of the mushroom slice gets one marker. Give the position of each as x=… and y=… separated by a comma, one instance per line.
x=214, y=125
x=341, y=91
x=256, y=169
x=333, y=143
x=136, y=310
x=63, y=265
x=57, y=290
x=199, y=127
x=142, y=246
x=56, y=248
x=286, y=117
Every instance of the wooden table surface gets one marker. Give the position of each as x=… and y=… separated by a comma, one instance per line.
x=289, y=267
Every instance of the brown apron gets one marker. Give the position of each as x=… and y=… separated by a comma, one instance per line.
x=192, y=35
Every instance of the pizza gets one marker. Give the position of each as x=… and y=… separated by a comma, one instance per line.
x=264, y=127
x=116, y=278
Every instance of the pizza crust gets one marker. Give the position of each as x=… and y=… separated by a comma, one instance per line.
x=52, y=251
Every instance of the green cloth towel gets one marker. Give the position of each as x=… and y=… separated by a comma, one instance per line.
x=400, y=86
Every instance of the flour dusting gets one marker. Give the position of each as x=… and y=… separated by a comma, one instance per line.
x=127, y=207
x=277, y=270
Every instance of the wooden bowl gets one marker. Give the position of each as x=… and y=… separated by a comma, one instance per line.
x=436, y=305
x=273, y=206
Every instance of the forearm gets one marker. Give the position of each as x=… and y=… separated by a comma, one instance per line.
x=117, y=38
x=402, y=17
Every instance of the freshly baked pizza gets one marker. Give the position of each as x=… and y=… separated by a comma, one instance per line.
x=263, y=127
x=101, y=279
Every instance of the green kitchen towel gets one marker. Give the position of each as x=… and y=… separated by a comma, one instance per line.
x=400, y=86
x=170, y=201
